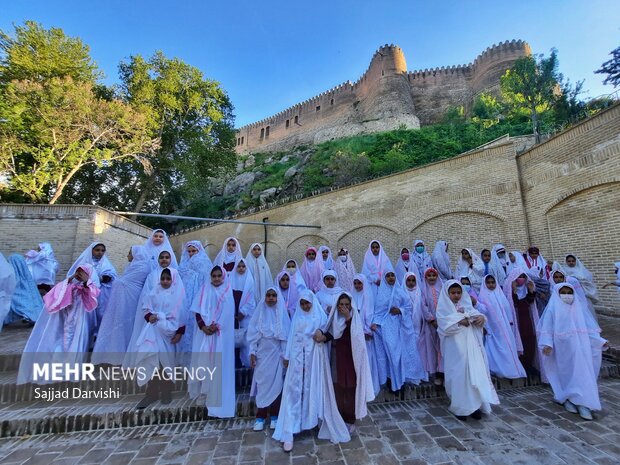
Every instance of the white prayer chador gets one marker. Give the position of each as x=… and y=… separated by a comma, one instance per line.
x=441, y=260
x=312, y=270
x=585, y=278
x=200, y=262
x=573, y=366
x=119, y=316
x=153, y=347
x=328, y=264
x=244, y=283
x=396, y=333
x=289, y=295
x=467, y=379
x=64, y=327
x=617, y=282
x=500, y=343
x=336, y=324
x=475, y=272
x=7, y=288
x=327, y=295
x=215, y=305
x=365, y=304
x=224, y=257
x=417, y=301
x=43, y=264
x=103, y=267
x=376, y=266
x=498, y=266
x=422, y=260
x=404, y=266
x=557, y=268
x=518, y=263
x=153, y=250
x=263, y=279
x=308, y=393
x=267, y=335
x=295, y=277
x=345, y=271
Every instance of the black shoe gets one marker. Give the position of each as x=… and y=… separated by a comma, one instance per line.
x=477, y=415
x=145, y=402
x=166, y=397
x=461, y=417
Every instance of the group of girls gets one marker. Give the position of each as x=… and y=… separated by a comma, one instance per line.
x=322, y=338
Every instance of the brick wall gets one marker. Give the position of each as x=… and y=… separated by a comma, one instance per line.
x=70, y=229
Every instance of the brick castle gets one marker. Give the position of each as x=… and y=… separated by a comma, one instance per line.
x=385, y=97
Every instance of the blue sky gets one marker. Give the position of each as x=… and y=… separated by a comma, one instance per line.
x=269, y=55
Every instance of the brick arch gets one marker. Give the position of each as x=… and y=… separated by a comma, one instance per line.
x=477, y=229
x=580, y=188
x=296, y=249
x=275, y=256
x=581, y=223
x=357, y=240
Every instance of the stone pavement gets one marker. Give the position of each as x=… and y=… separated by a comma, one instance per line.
x=527, y=428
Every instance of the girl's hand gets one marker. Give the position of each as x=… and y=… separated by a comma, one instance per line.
x=176, y=338
x=530, y=286
x=478, y=321
x=285, y=363
x=395, y=311
x=153, y=318
x=547, y=350
x=253, y=360
x=373, y=326
x=464, y=322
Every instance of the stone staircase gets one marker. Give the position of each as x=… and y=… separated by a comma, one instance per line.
x=22, y=414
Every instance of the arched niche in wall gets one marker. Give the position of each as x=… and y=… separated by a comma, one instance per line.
x=585, y=222
x=275, y=256
x=296, y=249
x=461, y=228
x=358, y=239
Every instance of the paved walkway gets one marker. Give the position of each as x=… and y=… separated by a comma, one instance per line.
x=528, y=428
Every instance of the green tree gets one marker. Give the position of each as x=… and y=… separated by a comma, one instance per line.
x=611, y=68
x=54, y=120
x=487, y=110
x=532, y=85
x=192, y=116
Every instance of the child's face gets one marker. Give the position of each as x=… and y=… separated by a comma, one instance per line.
x=291, y=266
x=571, y=261
x=217, y=277
x=431, y=277
x=511, y=257
x=98, y=251
x=329, y=281
x=285, y=281
x=164, y=259
x=491, y=284
x=271, y=298
x=165, y=281
x=158, y=238
x=410, y=281
x=465, y=254
x=305, y=305
x=256, y=251
x=311, y=255
x=191, y=250
x=558, y=277
x=358, y=285
x=81, y=275
x=486, y=256
x=566, y=291
x=455, y=294
x=390, y=278
x=375, y=248
x=325, y=254
x=231, y=246
x=241, y=268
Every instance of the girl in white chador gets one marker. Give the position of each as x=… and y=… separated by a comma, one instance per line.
x=376, y=265
x=352, y=378
x=467, y=379
x=500, y=342
x=214, y=308
x=243, y=294
x=345, y=270
x=119, y=317
x=312, y=269
x=325, y=254
x=308, y=393
x=393, y=317
x=7, y=288
x=575, y=268
x=94, y=255
x=365, y=304
x=499, y=263
x=329, y=290
x=571, y=345
x=267, y=335
x=295, y=276
x=404, y=265
x=230, y=254
x=441, y=260
x=470, y=265
x=155, y=244
x=154, y=348
x=259, y=268
x=285, y=285
x=43, y=265
x=420, y=257
x=64, y=327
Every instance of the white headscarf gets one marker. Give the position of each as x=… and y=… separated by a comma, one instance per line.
x=200, y=262
x=403, y=266
x=329, y=263
x=536, y=266
x=415, y=295
x=154, y=250
x=263, y=279
x=312, y=270
x=296, y=278
x=7, y=288
x=441, y=260
x=270, y=322
x=422, y=260
x=518, y=263
x=244, y=283
x=42, y=264
x=224, y=256
x=103, y=266
x=496, y=299
x=463, y=268
x=308, y=322
x=496, y=266
x=345, y=271
x=170, y=299
x=292, y=293
x=448, y=313
x=579, y=271
x=376, y=265
x=364, y=302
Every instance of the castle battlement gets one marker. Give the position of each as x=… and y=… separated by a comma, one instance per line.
x=386, y=94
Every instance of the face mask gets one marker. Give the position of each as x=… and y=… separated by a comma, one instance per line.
x=419, y=248
x=567, y=298
x=520, y=281
x=466, y=287
x=343, y=258
x=405, y=257
x=291, y=270
x=501, y=254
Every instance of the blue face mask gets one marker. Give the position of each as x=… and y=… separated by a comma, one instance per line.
x=466, y=287
x=419, y=248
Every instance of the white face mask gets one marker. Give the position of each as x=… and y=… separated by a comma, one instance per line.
x=343, y=258
x=567, y=298
x=291, y=269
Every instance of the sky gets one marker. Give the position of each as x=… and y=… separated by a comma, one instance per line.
x=269, y=55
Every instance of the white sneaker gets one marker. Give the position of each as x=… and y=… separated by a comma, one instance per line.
x=584, y=412
x=570, y=407
x=288, y=446
x=273, y=423
x=259, y=424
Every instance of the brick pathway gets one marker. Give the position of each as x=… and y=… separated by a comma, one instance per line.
x=527, y=428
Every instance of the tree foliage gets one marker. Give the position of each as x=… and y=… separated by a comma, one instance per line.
x=611, y=68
